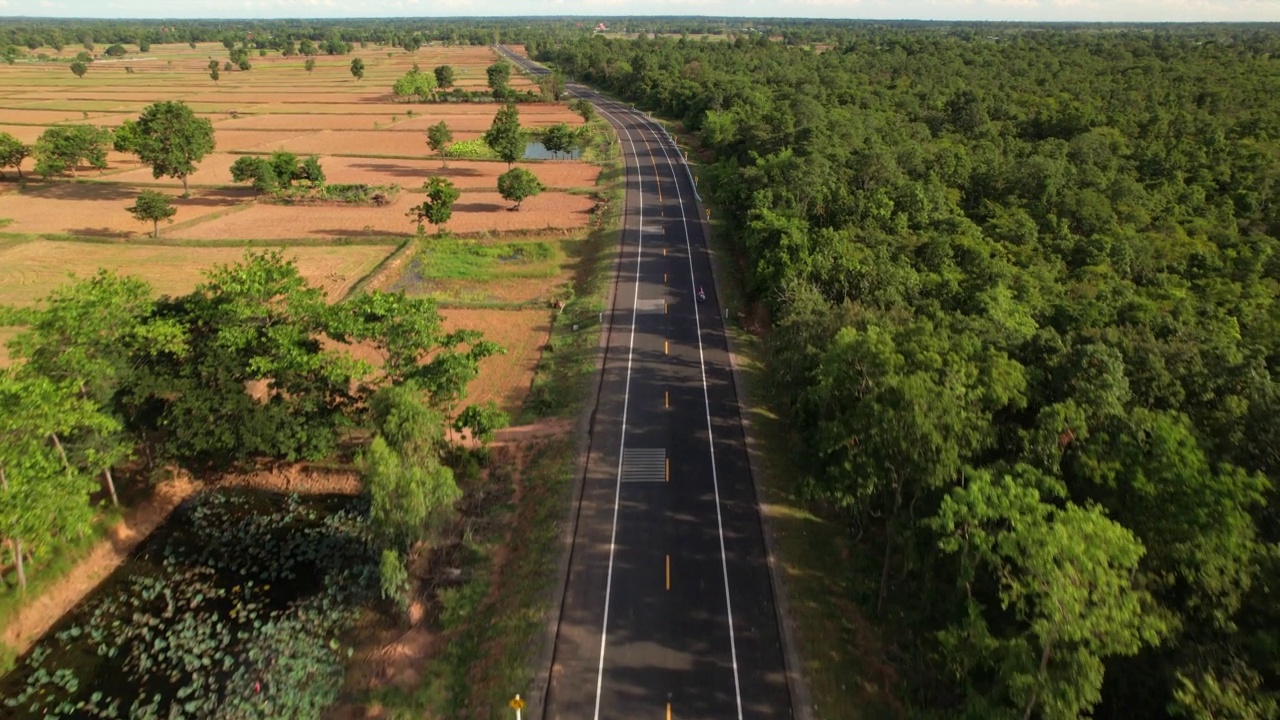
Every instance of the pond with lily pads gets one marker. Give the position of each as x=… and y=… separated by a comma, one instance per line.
x=236, y=607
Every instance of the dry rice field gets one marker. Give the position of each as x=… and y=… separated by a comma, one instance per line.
x=361, y=133
x=504, y=379
x=474, y=212
x=30, y=270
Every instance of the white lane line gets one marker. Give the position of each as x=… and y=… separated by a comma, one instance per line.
x=724, y=563
x=626, y=397
x=711, y=447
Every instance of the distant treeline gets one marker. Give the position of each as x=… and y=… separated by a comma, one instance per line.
x=34, y=33
x=1024, y=290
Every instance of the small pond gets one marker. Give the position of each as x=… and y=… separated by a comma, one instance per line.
x=233, y=608
x=537, y=151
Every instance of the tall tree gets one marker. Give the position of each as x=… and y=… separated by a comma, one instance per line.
x=1065, y=574
x=517, y=184
x=95, y=334
x=504, y=135
x=559, y=139
x=357, y=69
x=438, y=137
x=172, y=139
x=151, y=206
x=499, y=76
x=438, y=207
x=444, y=76
x=79, y=67
x=12, y=152
x=45, y=496
x=62, y=148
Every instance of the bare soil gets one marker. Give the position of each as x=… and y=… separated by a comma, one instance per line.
x=474, y=212
x=30, y=270
x=95, y=209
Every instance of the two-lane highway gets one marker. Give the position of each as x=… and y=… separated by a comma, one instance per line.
x=669, y=610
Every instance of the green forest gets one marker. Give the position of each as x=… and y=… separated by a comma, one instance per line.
x=1022, y=296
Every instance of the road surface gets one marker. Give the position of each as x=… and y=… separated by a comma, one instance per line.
x=669, y=609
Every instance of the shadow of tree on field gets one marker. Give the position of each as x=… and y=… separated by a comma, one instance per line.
x=416, y=172
x=348, y=232
x=477, y=207
x=101, y=232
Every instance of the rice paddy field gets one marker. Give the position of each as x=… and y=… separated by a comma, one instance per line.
x=360, y=132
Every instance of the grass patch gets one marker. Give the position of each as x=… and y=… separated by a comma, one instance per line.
x=449, y=258
x=473, y=149
x=559, y=381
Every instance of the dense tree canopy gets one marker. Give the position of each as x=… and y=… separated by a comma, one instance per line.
x=1024, y=294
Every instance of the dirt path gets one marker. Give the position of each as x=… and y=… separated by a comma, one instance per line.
x=41, y=613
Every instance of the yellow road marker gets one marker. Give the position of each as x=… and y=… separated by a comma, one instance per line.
x=668, y=572
x=666, y=398
x=666, y=347
x=665, y=308
x=668, y=469
x=664, y=278
x=668, y=711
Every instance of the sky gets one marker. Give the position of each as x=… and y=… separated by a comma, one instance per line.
x=1027, y=10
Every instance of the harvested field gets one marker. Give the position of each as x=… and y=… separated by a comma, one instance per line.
x=504, y=379
x=303, y=122
x=358, y=142
x=474, y=212
x=20, y=116
x=97, y=209
x=253, y=140
x=466, y=174
x=30, y=270
x=24, y=133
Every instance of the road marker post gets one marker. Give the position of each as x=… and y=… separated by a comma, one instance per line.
x=516, y=704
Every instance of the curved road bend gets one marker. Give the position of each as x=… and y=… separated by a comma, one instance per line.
x=668, y=612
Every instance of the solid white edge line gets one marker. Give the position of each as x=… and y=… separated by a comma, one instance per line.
x=626, y=397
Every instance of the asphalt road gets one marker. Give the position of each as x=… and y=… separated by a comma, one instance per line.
x=669, y=609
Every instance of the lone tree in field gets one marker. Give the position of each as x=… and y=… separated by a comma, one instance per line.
x=213, y=72
x=357, y=68
x=310, y=64
x=116, y=51
x=438, y=137
x=79, y=68
x=438, y=207
x=499, y=75
x=517, y=184
x=559, y=139
x=12, y=152
x=171, y=139
x=152, y=206
x=505, y=136
x=62, y=148
x=444, y=76
x=414, y=83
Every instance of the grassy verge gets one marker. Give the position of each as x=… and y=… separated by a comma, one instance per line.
x=559, y=381
x=489, y=658
x=840, y=653
x=60, y=560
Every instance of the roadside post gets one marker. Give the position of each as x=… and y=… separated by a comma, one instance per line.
x=517, y=704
